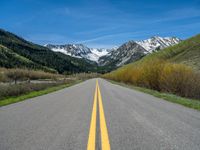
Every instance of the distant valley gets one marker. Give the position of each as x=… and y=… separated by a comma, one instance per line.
x=73, y=58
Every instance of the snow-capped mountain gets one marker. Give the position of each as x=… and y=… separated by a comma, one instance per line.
x=80, y=51
x=128, y=52
x=157, y=43
x=76, y=50
x=134, y=50
x=117, y=56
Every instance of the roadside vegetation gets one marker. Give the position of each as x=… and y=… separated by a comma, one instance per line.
x=31, y=94
x=20, y=84
x=20, y=89
x=174, y=70
x=160, y=75
x=15, y=75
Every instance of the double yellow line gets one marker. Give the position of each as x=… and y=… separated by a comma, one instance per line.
x=105, y=145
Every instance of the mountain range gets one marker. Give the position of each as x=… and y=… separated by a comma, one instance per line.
x=117, y=56
x=80, y=51
x=73, y=58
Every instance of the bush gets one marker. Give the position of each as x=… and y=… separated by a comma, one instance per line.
x=160, y=75
x=19, y=89
x=174, y=78
x=150, y=73
x=1, y=77
x=24, y=74
x=181, y=80
x=15, y=74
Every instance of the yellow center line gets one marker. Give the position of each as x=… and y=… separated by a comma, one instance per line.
x=92, y=133
x=105, y=144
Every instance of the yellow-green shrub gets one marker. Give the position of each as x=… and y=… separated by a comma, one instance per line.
x=1, y=77
x=180, y=79
x=174, y=77
x=150, y=74
x=24, y=74
x=160, y=75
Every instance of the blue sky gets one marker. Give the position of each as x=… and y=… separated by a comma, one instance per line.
x=99, y=23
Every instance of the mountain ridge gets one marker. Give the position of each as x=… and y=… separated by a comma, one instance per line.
x=79, y=51
x=134, y=50
x=101, y=55
x=157, y=42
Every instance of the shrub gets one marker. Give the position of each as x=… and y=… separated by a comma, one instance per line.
x=19, y=89
x=24, y=74
x=150, y=73
x=1, y=77
x=15, y=74
x=160, y=75
x=181, y=80
x=174, y=77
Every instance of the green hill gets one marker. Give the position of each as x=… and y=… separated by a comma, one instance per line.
x=17, y=52
x=186, y=52
x=173, y=70
x=10, y=59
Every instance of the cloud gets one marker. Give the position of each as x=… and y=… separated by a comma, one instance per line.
x=110, y=36
x=96, y=38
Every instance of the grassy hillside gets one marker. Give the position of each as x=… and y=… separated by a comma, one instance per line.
x=35, y=56
x=10, y=59
x=186, y=52
x=172, y=70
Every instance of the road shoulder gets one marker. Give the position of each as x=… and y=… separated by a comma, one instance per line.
x=190, y=103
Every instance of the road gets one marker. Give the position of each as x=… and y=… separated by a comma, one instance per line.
x=98, y=115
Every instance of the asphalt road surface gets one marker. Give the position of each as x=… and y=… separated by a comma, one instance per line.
x=98, y=115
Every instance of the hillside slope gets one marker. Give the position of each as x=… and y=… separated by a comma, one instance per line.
x=173, y=70
x=42, y=56
x=186, y=52
x=10, y=59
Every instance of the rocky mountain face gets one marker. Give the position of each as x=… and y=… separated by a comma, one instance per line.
x=157, y=43
x=79, y=51
x=127, y=52
x=76, y=50
x=134, y=50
